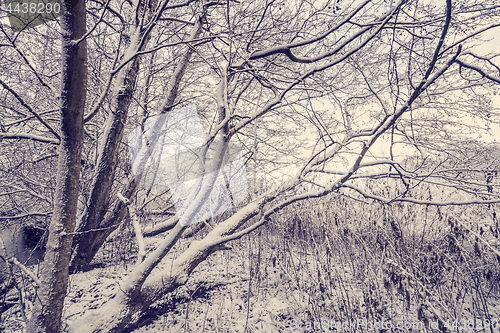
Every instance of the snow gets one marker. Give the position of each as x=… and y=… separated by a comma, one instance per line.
x=182, y=159
x=28, y=136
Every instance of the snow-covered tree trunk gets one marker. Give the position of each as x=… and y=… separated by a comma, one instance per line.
x=87, y=244
x=46, y=316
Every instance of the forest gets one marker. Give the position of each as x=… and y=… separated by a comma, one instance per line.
x=249, y=166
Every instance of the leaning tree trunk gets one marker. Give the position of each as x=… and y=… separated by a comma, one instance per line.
x=46, y=316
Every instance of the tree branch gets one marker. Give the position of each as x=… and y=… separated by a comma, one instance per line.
x=421, y=202
x=286, y=49
x=6, y=87
x=478, y=70
x=29, y=137
x=26, y=271
x=137, y=228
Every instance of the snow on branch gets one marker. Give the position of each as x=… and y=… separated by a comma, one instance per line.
x=479, y=70
x=23, y=215
x=475, y=33
x=286, y=49
x=84, y=37
x=26, y=271
x=16, y=262
x=275, y=101
x=421, y=202
x=161, y=227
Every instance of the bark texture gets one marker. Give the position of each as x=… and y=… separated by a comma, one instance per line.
x=46, y=316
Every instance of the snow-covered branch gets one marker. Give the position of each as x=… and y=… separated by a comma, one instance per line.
x=26, y=271
x=20, y=216
x=479, y=70
x=25, y=105
x=421, y=202
x=286, y=49
x=161, y=227
x=275, y=101
x=137, y=227
x=95, y=24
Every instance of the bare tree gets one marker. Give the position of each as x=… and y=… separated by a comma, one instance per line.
x=48, y=309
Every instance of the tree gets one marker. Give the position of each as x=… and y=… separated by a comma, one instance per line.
x=310, y=86
x=48, y=309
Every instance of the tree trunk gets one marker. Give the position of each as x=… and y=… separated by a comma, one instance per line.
x=46, y=316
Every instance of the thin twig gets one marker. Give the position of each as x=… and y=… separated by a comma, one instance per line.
x=26, y=271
